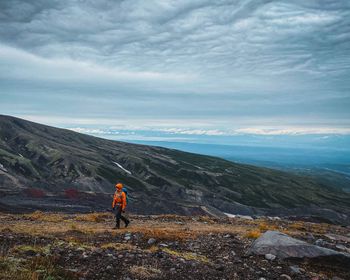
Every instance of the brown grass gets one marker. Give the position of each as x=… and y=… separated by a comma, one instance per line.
x=34, y=269
x=300, y=226
x=167, y=234
x=118, y=246
x=295, y=228
x=253, y=234
x=36, y=248
x=39, y=223
x=44, y=217
x=144, y=272
x=187, y=255
x=264, y=226
x=152, y=249
x=94, y=217
x=162, y=228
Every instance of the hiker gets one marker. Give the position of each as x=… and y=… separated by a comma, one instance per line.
x=119, y=204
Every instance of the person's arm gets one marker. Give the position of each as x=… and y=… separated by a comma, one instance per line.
x=123, y=201
x=113, y=202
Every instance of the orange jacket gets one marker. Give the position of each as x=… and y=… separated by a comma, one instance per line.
x=119, y=199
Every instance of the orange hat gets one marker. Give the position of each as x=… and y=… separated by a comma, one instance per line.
x=119, y=186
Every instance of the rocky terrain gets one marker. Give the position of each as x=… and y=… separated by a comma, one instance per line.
x=48, y=168
x=84, y=246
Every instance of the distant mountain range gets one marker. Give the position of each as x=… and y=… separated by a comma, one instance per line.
x=43, y=167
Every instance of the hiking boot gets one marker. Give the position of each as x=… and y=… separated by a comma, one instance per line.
x=127, y=223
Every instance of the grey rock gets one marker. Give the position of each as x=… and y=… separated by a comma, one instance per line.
x=97, y=250
x=283, y=246
x=270, y=257
x=343, y=248
x=320, y=242
x=294, y=269
x=151, y=241
x=285, y=276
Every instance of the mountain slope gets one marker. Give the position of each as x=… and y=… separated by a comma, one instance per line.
x=37, y=157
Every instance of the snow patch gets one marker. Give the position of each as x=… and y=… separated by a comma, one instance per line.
x=246, y=217
x=121, y=167
x=3, y=168
x=230, y=215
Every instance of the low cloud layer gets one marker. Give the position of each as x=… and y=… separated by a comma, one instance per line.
x=199, y=66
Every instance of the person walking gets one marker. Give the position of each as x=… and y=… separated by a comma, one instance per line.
x=119, y=205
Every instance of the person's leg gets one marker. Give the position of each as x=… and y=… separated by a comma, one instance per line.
x=117, y=217
x=125, y=220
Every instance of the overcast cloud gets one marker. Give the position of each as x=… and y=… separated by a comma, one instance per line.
x=203, y=66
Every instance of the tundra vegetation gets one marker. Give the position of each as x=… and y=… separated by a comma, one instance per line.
x=42, y=245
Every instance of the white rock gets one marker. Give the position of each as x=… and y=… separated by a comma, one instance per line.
x=270, y=257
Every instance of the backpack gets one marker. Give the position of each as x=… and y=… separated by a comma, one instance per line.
x=125, y=190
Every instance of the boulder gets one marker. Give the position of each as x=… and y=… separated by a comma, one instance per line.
x=151, y=241
x=270, y=257
x=283, y=246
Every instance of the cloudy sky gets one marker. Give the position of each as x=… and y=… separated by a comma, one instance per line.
x=178, y=67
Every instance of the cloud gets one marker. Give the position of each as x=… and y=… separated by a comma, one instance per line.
x=161, y=36
x=210, y=132
x=291, y=131
x=213, y=64
x=31, y=67
x=294, y=131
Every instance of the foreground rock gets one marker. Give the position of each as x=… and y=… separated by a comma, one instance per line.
x=283, y=246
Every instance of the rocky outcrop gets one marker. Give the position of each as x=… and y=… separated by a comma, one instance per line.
x=283, y=246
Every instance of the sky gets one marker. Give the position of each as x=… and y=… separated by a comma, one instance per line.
x=178, y=70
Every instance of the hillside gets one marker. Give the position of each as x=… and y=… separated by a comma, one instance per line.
x=43, y=167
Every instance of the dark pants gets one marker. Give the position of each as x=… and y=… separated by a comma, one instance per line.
x=119, y=216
